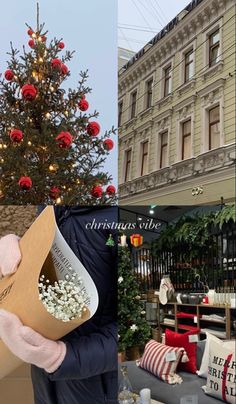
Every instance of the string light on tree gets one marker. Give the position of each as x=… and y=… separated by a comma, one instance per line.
x=43, y=122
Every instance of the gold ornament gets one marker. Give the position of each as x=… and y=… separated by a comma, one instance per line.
x=58, y=201
x=53, y=168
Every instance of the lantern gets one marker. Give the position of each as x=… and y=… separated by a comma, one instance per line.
x=136, y=240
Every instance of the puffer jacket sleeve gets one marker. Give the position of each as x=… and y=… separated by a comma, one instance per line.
x=90, y=355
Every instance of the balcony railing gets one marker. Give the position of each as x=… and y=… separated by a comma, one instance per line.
x=202, y=164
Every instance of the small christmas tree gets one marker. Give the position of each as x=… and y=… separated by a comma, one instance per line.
x=50, y=151
x=133, y=328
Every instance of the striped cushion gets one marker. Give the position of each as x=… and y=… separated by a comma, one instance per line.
x=156, y=360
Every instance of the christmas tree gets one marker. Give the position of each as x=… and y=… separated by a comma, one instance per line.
x=50, y=147
x=133, y=328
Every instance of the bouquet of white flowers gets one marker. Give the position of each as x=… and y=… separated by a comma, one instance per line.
x=65, y=299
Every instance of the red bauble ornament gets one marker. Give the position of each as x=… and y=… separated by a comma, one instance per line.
x=64, y=69
x=29, y=92
x=97, y=191
x=108, y=144
x=93, y=128
x=64, y=140
x=25, y=183
x=31, y=43
x=9, y=75
x=54, y=192
x=56, y=64
x=30, y=32
x=44, y=38
x=61, y=45
x=111, y=190
x=83, y=105
x=16, y=135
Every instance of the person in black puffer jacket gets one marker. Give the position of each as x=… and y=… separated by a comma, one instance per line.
x=88, y=372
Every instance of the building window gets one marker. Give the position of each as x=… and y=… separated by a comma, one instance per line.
x=186, y=140
x=214, y=127
x=163, y=149
x=120, y=110
x=144, y=161
x=133, y=104
x=167, y=81
x=127, y=165
x=214, y=48
x=189, y=66
x=149, y=85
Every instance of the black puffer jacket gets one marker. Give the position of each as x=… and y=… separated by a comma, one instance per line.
x=88, y=374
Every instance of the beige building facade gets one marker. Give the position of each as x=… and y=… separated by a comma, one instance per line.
x=177, y=111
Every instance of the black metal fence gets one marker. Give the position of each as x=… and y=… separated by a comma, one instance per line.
x=215, y=266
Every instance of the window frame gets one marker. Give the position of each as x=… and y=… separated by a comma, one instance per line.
x=149, y=94
x=189, y=51
x=143, y=156
x=205, y=122
x=126, y=161
x=191, y=46
x=133, y=105
x=179, y=134
x=210, y=124
x=217, y=25
x=120, y=112
x=161, y=135
x=184, y=136
x=213, y=46
x=167, y=79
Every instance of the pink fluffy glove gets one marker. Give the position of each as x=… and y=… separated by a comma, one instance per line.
x=10, y=254
x=30, y=346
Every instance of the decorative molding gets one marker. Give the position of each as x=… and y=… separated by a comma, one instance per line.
x=216, y=85
x=166, y=114
x=190, y=85
x=213, y=160
x=195, y=22
x=211, y=71
x=185, y=107
x=164, y=101
x=146, y=112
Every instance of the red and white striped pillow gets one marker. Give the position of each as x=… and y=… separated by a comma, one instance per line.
x=162, y=360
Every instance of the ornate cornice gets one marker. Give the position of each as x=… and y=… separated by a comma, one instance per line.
x=186, y=29
x=201, y=165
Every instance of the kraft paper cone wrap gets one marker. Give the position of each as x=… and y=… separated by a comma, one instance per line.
x=19, y=292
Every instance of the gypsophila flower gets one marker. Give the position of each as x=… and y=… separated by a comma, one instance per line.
x=65, y=299
x=120, y=279
x=133, y=327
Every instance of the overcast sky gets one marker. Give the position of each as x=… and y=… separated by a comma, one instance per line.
x=89, y=28
x=151, y=15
